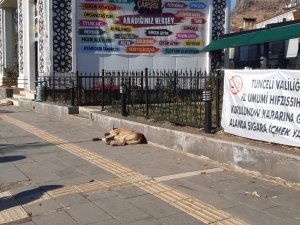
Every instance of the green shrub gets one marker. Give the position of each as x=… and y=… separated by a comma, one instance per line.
x=10, y=76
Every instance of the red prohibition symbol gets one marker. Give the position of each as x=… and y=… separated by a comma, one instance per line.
x=235, y=84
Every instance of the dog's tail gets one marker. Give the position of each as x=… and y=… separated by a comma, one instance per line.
x=96, y=139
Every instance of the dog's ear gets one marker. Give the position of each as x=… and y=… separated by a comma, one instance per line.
x=114, y=128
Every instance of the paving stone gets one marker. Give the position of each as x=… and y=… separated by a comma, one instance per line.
x=180, y=219
x=94, y=172
x=154, y=206
x=253, y=201
x=109, y=222
x=88, y=213
x=148, y=221
x=203, y=193
x=29, y=223
x=129, y=191
x=14, y=158
x=31, y=195
x=45, y=157
x=12, y=175
x=70, y=200
x=244, y=196
x=253, y=216
x=42, y=207
x=103, y=195
x=70, y=181
x=72, y=160
x=29, y=186
x=122, y=210
x=284, y=212
x=287, y=197
x=37, y=172
x=54, y=218
x=68, y=172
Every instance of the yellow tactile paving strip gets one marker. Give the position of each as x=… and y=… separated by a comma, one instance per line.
x=97, y=186
x=194, y=207
x=80, y=188
x=14, y=213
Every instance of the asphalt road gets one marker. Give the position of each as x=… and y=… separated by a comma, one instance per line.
x=52, y=173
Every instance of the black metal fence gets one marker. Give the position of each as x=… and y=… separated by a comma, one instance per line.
x=183, y=97
x=60, y=88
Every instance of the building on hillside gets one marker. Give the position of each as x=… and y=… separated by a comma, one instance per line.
x=273, y=43
x=65, y=36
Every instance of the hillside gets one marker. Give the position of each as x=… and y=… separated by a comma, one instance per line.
x=259, y=9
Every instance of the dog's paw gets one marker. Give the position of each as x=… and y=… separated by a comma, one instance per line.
x=96, y=139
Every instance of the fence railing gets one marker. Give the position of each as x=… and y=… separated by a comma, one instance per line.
x=60, y=88
x=183, y=97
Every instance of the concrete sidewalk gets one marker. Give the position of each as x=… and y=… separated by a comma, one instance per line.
x=269, y=160
x=52, y=171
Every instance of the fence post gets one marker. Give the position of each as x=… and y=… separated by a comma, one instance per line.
x=123, y=98
x=78, y=88
x=207, y=97
x=53, y=89
x=72, y=94
x=147, y=93
x=103, y=73
x=129, y=89
x=218, y=126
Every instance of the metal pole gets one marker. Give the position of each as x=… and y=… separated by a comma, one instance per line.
x=207, y=97
x=123, y=99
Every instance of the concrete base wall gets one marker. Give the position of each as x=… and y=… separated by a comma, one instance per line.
x=49, y=109
x=6, y=93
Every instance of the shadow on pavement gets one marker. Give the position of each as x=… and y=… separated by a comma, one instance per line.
x=5, y=159
x=25, y=197
x=5, y=111
x=26, y=146
x=30, y=146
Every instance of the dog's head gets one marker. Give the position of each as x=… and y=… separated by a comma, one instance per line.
x=106, y=134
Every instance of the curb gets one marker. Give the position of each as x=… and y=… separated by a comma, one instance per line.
x=242, y=154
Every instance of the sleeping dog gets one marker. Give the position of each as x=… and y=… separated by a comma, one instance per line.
x=119, y=137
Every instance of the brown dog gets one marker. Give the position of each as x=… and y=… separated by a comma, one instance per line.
x=119, y=137
x=7, y=103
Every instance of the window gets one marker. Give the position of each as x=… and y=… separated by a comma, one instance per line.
x=276, y=48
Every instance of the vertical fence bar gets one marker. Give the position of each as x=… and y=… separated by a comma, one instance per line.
x=102, y=84
x=78, y=89
x=142, y=92
x=218, y=77
x=147, y=92
x=72, y=94
x=53, y=88
x=129, y=89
